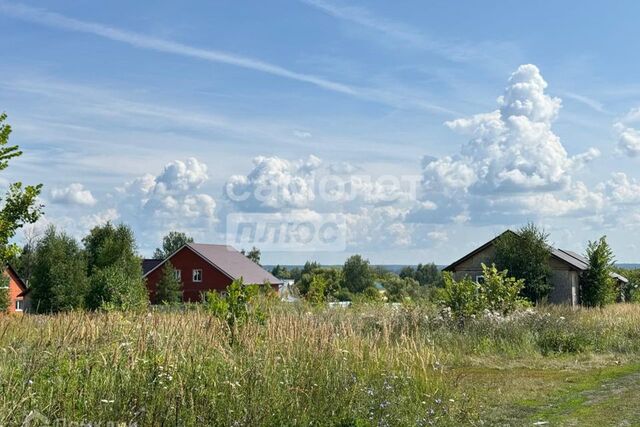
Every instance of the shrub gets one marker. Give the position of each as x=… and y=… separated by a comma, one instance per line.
x=466, y=298
x=4, y=293
x=596, y=282
x=116, y=287
x=169, y=289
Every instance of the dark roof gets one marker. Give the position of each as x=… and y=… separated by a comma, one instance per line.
x=479, y=249
x=575, y=260
x=234, y=263
x=229, y=261
x=149, y=264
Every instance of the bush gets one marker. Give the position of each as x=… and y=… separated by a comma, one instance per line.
x=169, y=290
x=466, y=298
x=4, y=293
x=116, y=288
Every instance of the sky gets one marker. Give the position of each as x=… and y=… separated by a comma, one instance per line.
x=415, y=130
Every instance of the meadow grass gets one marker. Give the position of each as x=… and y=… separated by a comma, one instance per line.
x=368, y=365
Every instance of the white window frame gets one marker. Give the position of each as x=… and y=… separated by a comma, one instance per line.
x=196, y=272
x=480, y=279
x=177, y=274
x=19, y=305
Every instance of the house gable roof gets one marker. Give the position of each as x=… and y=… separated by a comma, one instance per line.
x=479, y=249
x=229, y=261
x=574, y=260
x=14, y=274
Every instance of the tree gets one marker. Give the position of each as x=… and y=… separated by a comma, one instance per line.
x=59, y=276
x=356, y=274
x=171, y=243
x=20, y=204
x=525, y=255
x=317, y=290
x=107, y=245
x=281, y=272
x=425, y=274
x=169, y=290
x=117, y=287
x=253, y=254
x=597, y=285
x=114, y=268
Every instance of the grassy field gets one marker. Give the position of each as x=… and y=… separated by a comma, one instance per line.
x=368, y=365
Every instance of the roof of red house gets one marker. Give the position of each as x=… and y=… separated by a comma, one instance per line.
x=231, y=262
x=149, y=264
x=23, y=286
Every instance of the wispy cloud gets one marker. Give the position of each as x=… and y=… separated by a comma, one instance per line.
x=407, y=35
x=142, y=41
x=589, y=102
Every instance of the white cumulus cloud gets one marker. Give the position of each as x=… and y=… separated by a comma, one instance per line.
x=74, y=194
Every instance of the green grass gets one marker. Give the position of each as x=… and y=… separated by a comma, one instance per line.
x=369, y=365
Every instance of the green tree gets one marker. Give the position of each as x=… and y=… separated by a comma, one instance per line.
x=169, y=290
x=20, y=205
x=356, y=274
x=117, y=287
x=254, y=254
x=317, y=290
x=525, y=255
x=107, y=245
x=114, y=268
x=597, y=285
x=59, y=276
x=281, y=272
x=171, y=243
x=425, y=274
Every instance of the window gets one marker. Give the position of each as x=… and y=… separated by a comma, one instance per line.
x=480, y=279
x=19, y=305
x=197, y=275
x=178, y=274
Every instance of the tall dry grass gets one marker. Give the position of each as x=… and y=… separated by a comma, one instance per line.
x=369, y=365
x=300, y=368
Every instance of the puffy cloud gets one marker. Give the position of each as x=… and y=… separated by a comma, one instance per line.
x=274, y=183
x=513, y=148
x=74, y=194
x=621, y=189
x=628, y=139
x=178, y=176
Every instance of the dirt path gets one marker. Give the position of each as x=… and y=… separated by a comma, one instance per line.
x=611, y=401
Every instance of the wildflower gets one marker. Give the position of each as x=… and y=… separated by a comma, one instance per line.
x=438, y=401
x=106, y=401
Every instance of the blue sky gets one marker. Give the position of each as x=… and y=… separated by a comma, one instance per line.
x=147, y=113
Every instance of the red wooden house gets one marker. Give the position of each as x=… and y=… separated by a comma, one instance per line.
x=19, y=301
x=203, y=267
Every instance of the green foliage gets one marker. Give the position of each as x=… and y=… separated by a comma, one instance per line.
x=4, y=293
x=171, y=243
x=117, y=287
x=466, y=298
x=115, y=269
x=526, y=256
x=500, y=293
x=356, y=274
x=317, y=289
x=59, y=278
x=597, y=285
x=253, y=254
x=404, y=289
x=20, y=203
x=107, y=245
x=235, y=307
x=424, y=274
x=462, y=297
x=281, y=272
x=169, y=288
x=331, y=277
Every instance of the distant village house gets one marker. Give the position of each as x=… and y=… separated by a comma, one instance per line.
x=566, y=267
x=203, y=267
